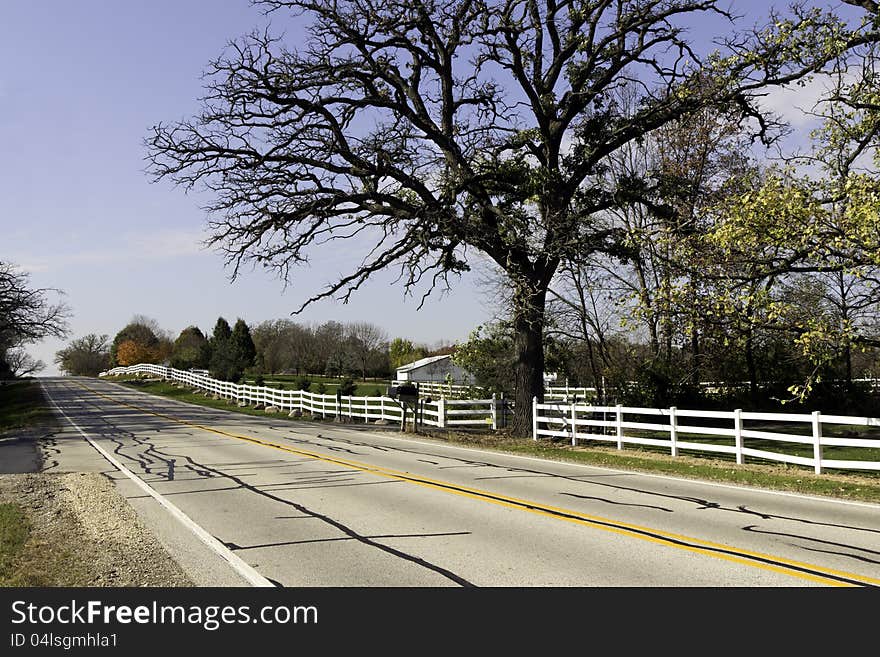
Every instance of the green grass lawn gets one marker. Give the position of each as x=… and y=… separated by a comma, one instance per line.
x=22, y=404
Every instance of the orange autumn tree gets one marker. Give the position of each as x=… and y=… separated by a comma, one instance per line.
x=130, y=352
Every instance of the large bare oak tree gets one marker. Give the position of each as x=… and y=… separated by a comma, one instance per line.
x=429, y=130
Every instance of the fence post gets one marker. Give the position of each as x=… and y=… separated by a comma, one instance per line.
x=534, y=418
x=573, y=424
x=738, y=436
x=441, y=412
x=381, y=408
x=494, y=411
x=619, y=423
x=817, y=442
x=673, y=430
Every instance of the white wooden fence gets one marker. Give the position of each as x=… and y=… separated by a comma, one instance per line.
x=724, y=432
x=617, y=424
x=440, y=412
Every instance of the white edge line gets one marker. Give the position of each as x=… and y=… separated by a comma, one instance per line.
x=241, y=567
x=438, y=443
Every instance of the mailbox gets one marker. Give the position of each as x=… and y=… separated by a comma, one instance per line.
x=404, y=393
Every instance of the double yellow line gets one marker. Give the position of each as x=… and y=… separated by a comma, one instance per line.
x=718, y=550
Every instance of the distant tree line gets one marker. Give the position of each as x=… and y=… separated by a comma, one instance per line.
x=345, y=350
x=592, y=340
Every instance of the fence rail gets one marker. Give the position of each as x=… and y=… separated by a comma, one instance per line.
x=625, y=425
x=441, y=412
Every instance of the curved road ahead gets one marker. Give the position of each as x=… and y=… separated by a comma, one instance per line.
x=310, y=504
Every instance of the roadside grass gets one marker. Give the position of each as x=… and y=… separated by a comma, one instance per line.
x=29, y=559
x=709, y=466
x=22, y=404
x=14, y=533
x=691, y=465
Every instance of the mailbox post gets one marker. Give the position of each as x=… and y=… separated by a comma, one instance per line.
x=406, y=395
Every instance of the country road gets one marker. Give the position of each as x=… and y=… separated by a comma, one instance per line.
x=309, y=504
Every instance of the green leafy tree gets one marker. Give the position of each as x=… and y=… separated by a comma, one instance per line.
x=489, y=355
x=402, y=351
x=191, y=350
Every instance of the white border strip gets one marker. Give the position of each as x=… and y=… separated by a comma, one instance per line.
x=240, y=566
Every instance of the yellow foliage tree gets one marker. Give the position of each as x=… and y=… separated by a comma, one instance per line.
x=130, y=352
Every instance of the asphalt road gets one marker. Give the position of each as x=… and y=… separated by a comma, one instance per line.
x=309, y=504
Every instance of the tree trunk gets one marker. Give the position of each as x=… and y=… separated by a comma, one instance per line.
x=597, y=376
x=751, y=367
x=528, y=342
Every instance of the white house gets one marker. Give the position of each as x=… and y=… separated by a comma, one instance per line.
x=434, y=368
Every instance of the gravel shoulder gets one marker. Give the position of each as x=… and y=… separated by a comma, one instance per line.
x=80, y=530
x=84, y=533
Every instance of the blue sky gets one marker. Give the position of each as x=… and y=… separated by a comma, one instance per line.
x=82, y=83
x=80, y=86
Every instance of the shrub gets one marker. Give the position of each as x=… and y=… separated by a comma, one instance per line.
x=322, y=388
x=303, y=383
x=259, y=380
x=347, y=387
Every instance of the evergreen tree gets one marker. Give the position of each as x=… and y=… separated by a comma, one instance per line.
x=191, y=349
x=221, y=332
x=243, y=345
x=224, y=361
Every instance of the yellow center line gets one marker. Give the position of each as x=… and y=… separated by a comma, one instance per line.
x=776, y=564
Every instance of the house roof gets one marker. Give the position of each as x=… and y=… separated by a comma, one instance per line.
x=421, y=363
